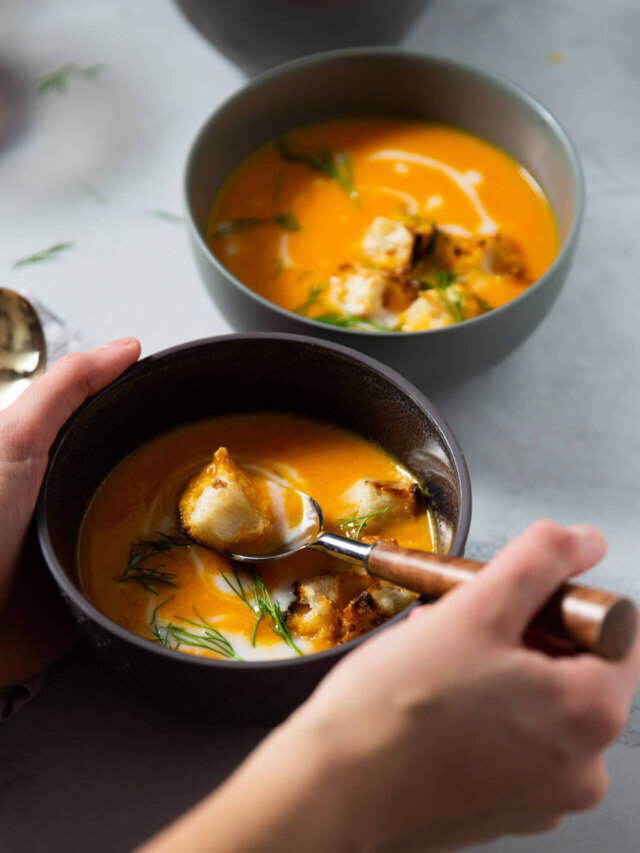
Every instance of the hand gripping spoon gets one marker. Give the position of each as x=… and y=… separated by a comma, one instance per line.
x=575, y=617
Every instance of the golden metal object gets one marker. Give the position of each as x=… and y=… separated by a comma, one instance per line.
x=23, y=352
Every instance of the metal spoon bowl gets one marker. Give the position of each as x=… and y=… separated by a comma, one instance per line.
x=23, y=352
x=312, y=535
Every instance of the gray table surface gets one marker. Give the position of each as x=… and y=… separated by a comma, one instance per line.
x=551, y=431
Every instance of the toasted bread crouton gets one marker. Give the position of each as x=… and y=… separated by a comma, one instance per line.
x=372, y=607
x=383, y=501
x=223, y=508
x=313, y=614
x=311, y=589
x=391, y=598
x=358, y=291
x=428, y=311
x=398, y=295
x=389, y=244
x=503, y=257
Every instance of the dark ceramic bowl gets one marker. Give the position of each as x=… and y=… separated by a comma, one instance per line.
x=248, y=373
x=384, y=81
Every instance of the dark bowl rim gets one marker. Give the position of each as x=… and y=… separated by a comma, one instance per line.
x=74, y=594
x=487, y=76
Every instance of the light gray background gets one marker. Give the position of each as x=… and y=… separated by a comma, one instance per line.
x=552, y=431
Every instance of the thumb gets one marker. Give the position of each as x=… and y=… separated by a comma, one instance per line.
x=29, y=426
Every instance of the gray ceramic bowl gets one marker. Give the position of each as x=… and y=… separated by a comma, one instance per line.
x=282, y=373
x=385, y=81
x=258, y=34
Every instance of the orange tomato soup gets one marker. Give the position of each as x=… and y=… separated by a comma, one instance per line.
x=293, y=217
x=183, y=587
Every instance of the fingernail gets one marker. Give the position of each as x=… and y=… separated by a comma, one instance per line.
x=120, y=342
x=592, y=538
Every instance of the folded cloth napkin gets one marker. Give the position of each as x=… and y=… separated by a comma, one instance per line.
x=60, y=340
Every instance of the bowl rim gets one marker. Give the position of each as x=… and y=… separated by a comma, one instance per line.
x=420, y=57
x=74, y=594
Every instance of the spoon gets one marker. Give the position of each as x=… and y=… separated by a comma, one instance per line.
x=575, y=617
x=23, y=351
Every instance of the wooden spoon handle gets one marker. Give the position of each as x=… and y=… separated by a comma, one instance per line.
x=575, y=617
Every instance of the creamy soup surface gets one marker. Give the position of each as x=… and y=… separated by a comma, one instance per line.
x=137, y=566
x=386, y=224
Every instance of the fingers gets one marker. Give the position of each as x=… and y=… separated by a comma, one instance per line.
x=30, y=425
x=523, y=576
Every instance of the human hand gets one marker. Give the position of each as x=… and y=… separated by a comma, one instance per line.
x=34, y=627
x=442, y=731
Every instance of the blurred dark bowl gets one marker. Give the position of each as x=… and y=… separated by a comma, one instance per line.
x=279, y=373
x=381, y=81
x=258, y=34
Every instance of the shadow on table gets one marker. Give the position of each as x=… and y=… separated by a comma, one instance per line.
x=258, y=34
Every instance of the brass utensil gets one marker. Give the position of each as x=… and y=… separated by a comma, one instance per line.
x=23, y=352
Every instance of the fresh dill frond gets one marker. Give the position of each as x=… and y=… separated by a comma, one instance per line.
x=93, y=192
x=334, y=165
x=172, y=636
x=259, y=601
x=278, y=267
x=286, y=221
x=151, y=577
x=352, y=321
x=453, y=304
x=167, y=216
x=315, y=291
x=212, y=639
x=438, y=280
x=157, y=630
x=43, y=255
x=58, y=80
x=353, y=525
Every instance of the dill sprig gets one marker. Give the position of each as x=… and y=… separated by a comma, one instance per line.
x=315, y=291
x=257, y=598
x=334, y=165
x=353, y=525
x=58, y=80
x=278, y=267
x=157, y=630
x=453, y=304
x=352, y=321
x=150, y=577
x=212, y=639
x=93, y=192
x=207, y=637
x=43, y=255
x=167, y=216
x=438, y=280
x=286, y=221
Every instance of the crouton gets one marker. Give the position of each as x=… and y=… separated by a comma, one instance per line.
x=358, y=291
x=427, y=312
x=223, y=508
x=378, y=603
x=313, y=614
x=389, y=244
x=383, y=501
